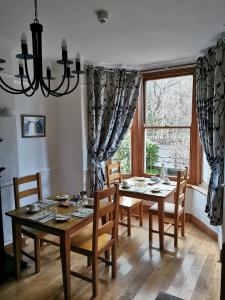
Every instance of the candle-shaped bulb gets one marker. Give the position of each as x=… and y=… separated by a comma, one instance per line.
x=24, y=44
x=78, y=56
x=23, y=38
x=64, y=44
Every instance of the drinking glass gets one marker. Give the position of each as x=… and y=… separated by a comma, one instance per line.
x=80, y=204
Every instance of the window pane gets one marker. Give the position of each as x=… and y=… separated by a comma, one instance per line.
x=171, y=146
x=205, y=169
x=123, y=154
x=169, y=101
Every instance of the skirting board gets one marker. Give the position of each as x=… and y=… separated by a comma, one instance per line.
x=202, y=226
x=198, y=223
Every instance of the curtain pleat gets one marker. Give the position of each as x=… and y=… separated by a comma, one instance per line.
x=112, y=100
x=211, y=121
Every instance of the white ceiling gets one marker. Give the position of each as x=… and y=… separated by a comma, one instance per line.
x=139, y=33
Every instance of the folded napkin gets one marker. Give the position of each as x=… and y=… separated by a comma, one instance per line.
x=42, y=217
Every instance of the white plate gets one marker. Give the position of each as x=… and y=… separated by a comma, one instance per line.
x=61, y=218
x=62, y=197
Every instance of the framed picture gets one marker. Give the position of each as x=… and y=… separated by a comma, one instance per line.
x=33, y=126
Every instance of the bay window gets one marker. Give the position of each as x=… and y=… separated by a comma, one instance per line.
x=164, y=129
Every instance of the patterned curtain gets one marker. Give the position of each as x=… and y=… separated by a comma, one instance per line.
x=112, y=99
x=211, y=121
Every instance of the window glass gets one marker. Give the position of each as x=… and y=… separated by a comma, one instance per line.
x=169, y=101
x=170, y=146
x=123, y=154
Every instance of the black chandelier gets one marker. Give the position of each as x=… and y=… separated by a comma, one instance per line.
x=28, y=85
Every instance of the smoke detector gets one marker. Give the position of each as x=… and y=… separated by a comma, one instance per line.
x=102, y=15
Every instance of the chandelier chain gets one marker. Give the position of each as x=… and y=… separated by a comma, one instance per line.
x=35, y=12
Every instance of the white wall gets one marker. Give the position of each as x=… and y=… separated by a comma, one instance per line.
x=38, y=154
x=30, y=155
x=195, y=205
x=71, y=142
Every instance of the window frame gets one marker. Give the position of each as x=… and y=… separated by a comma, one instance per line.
x=139, y=127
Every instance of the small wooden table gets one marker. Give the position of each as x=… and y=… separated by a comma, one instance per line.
x=63, y=230
x=142, y=190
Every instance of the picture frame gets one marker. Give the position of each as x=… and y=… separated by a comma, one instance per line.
x=33, y=126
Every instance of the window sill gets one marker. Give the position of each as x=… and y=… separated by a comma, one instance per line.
x=202, y=188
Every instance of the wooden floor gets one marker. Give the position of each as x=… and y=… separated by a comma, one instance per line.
x=191, y=272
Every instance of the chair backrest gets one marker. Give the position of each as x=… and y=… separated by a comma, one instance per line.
x=102, y=212
x=17, y=182
x=181, y=188
x=113, y=173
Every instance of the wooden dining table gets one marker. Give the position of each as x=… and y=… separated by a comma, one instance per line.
x=137, y=189
x=64, y=230
x=154, y=191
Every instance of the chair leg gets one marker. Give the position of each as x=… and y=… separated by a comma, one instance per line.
x=113, y=261
x=150, y=227
x=141, y=214
x=183, y=224
x=41, y=243
x=107, y=255
x=176, y=222
x=37, y=254
x=88, y=261
x=129, y=222
x=121, y=214
x=94, y=276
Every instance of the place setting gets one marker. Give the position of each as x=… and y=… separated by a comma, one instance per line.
x=134, y=187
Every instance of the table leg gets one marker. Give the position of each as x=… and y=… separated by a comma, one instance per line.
x=161, y=224
x=16, y=230
x=65, y=258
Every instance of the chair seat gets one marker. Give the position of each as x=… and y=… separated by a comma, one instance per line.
x=169, y=208
x=127, y=202
x=83, y=240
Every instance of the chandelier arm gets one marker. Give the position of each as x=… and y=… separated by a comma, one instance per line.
x=13, y=89
x=25, y=92
x=27, y=74
x=61, y=83
x=67, y=93
x=59, y=94
x=73, y=89
x=43, y=91
x=10, y=92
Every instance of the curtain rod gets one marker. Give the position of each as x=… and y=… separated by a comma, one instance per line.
x=113, y=69
x=147, y=70
x=168, y=68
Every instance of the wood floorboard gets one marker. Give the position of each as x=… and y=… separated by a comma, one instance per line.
x=189, y=272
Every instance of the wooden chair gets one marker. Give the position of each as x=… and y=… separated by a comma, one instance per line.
x=37, y=236
x=93, y=241
x=127, y=204
x=174, y=211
